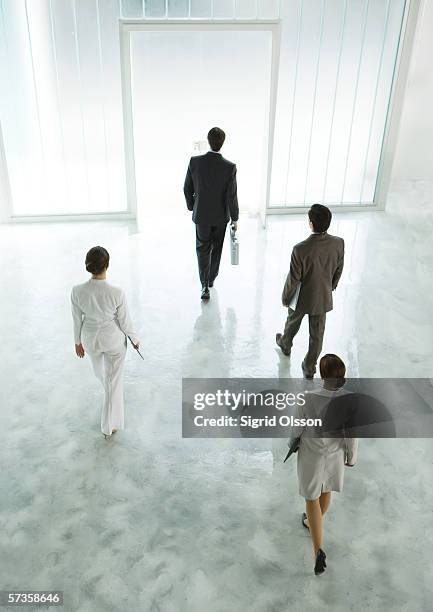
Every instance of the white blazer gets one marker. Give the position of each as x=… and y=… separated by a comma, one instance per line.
x=100, y=315
x=321, y=461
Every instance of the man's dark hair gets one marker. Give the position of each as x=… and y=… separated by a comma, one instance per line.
x=97, y=260
x=320, y=216
x=216, y=138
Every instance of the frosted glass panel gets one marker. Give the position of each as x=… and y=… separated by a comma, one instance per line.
x=346, y=92
x=380, y=105
x=154, y=8
x=268, y=9
x=201, y=8
x=19, y=108
x=60, y=106
x=246, y=9
x=223, y=9
x=323, y=111
x=132, y=9
x=178, y=8
x=169, y=117
x=336, y=70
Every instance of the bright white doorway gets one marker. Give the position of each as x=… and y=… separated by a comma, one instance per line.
x=179, y=80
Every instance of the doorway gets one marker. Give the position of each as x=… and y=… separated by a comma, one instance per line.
x=179, y=80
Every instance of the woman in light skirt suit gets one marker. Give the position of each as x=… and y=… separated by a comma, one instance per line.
x=101, y=328
x=321, y=461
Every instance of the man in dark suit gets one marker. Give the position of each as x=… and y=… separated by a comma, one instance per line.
x=211, y=193
x=315, y=269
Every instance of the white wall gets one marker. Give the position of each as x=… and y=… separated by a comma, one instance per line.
x=414, y=153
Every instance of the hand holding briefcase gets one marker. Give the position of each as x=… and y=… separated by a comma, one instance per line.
x=234, y=247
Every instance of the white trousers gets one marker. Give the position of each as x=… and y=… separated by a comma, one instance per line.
x=108, y=368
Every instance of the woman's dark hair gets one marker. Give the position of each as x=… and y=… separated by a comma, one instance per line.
x=333, y=368
x=97, y=260
x=320, y=216
x=216, y=138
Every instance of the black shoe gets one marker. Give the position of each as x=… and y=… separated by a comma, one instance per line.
x=210, y=283
x=205, y=295
x=307, y=375
x=278, y=341
x=320, y=564
x=304, y=520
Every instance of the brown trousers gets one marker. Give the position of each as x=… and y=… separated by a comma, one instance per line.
x=316, y=325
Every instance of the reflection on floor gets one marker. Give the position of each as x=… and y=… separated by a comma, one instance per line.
x=148, y=521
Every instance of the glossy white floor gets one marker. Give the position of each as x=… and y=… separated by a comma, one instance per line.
x=148, y=521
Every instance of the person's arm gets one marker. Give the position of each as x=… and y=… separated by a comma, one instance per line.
x=294, y=277
x=339, y=268
x=77, y=317
x=124, y=320
x=232, y=195
x=188, y=188
x=351, y=451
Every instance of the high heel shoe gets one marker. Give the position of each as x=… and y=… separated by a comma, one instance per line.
x=304, y=521
x=320, y=564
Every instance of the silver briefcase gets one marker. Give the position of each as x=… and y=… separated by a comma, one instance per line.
x=234, y=247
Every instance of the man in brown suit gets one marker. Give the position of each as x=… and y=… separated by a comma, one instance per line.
x=315, y=269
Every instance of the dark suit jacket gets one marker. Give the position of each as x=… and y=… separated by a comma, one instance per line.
x=317, y=263
x=210, y=189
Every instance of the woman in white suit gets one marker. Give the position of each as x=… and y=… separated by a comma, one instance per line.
x=321, y=461
x=101, y=327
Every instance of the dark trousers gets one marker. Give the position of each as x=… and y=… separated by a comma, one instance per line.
x=316, y=325
x=209, y=246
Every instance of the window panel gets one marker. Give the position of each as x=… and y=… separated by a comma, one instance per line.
x=223, y=9
x=93, y=112
x=284, y=118
x=327, y=77
x=268, y=9
x=155, y=8
x=178, y=8
x=70, y=96
x=21, y=133
x=201, y=9
x=61, y=103
x=246, y=9
x=331, y=116
x=111, y=101
x=62, y=115
x=380, y=110
x=363, y=105
x=345, y=98
x=309, y=53
x=132, y=9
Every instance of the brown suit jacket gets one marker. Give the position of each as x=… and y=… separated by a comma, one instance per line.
x=316, y=264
